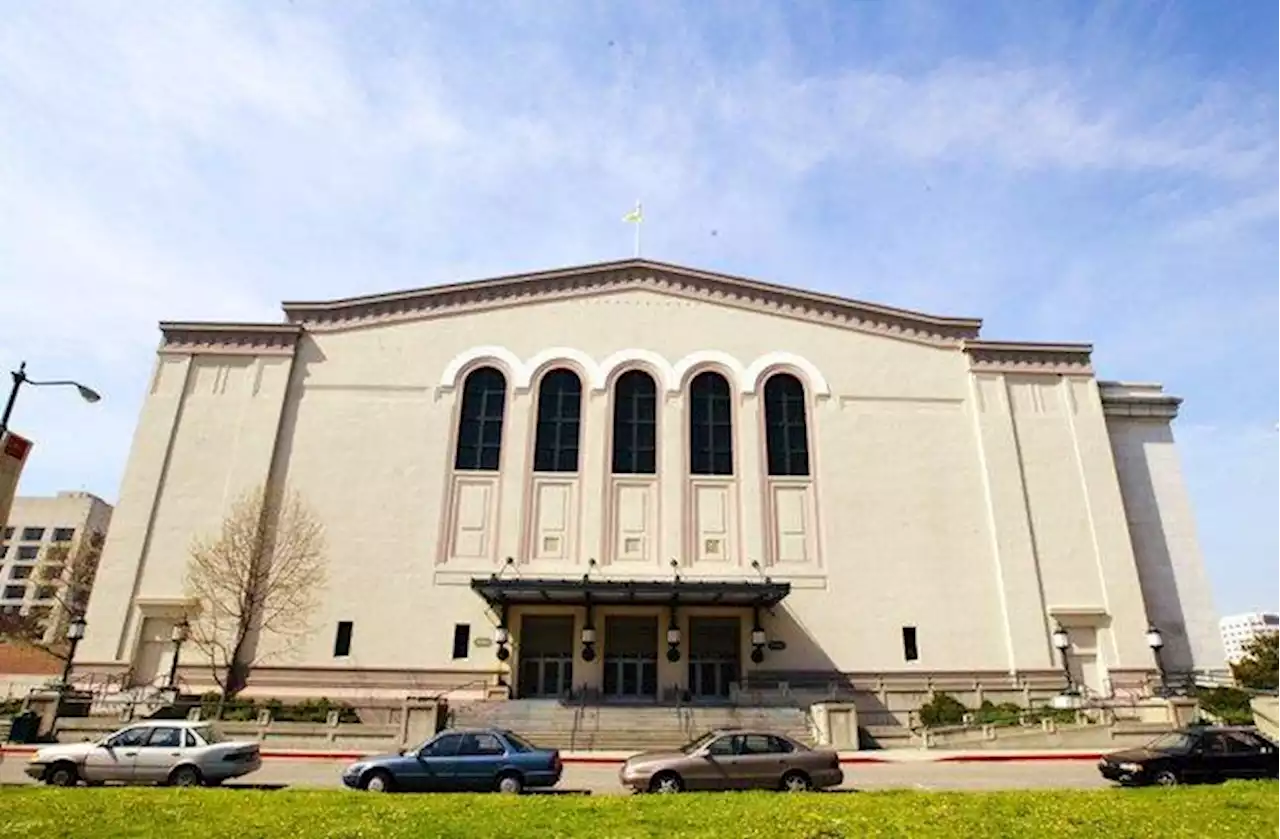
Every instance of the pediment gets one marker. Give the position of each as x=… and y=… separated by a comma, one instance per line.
x=613, y=277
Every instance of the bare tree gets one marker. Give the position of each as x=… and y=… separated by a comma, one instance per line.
x=260, y=575
x=64, y=576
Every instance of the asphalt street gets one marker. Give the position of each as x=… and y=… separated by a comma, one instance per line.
x=603, y=779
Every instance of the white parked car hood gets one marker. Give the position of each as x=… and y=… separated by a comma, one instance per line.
x=72, y=751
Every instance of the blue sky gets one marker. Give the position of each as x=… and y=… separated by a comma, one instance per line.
x=1067, y=171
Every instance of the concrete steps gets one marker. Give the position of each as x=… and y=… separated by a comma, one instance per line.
x=622, y=728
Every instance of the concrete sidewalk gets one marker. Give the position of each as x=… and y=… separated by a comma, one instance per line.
x=886, y=756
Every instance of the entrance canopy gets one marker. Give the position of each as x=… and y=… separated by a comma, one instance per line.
x=527, y=591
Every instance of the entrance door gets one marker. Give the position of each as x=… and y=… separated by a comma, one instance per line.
x=546, y=655
x=714, y=651
x=631, y=657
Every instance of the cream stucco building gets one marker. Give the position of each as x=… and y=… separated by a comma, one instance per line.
x=636, y=480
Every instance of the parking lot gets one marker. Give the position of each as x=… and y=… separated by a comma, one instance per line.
x=602, y=779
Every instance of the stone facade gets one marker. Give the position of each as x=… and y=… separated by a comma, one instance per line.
x=936, y=502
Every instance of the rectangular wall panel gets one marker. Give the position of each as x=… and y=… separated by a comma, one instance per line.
x=793, y=523
x=713, y=523
x=552, y=520
x=473, y=518
x=634, y=521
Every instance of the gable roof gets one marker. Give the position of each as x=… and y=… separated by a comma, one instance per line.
x=606, y=277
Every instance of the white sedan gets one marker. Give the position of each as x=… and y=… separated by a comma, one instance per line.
x=172, y=752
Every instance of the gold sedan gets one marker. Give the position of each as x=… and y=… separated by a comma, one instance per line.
x=734, y=759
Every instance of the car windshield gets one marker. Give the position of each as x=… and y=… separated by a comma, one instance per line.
x=209, y=734
x=1175, y=742
x=690, y=748
x=518, y=743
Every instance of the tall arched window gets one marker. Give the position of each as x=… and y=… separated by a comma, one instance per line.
x=484, y=400
x=786, y=431
x=555, y=447
x=635, y=424
x=710, y=425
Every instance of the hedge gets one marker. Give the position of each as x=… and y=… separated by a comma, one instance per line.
x=1238, y=809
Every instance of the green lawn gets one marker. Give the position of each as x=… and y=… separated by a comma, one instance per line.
x=1237, y=809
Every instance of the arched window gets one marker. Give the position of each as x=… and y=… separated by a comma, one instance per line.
x=555, y=447
x=484, y=399
x=786, y=432
x=635, y=424
x=710, y=425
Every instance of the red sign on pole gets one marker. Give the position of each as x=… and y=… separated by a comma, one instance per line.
x=16, y=446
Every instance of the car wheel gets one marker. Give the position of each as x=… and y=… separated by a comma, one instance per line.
x=666, y=782
x=61, y=775
x=796, y=782
x=185, y=776
x=1165, y=778
x=378, y=781
x=510, y=784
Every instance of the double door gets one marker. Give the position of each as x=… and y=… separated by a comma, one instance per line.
x=545, y=656
x=714, y=656
x=630, y=657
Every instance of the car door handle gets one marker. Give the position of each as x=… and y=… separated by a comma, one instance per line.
x=175, y=754
x=130, y=754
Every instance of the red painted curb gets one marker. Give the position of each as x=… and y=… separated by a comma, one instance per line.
x=1037, y=757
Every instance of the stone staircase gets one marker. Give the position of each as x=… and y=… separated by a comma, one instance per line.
x=553, y=724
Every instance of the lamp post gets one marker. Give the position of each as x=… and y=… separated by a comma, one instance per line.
x=181, y=632
x=1062, y=643
x=75, y=631
x=1156, y=642
x=20, y=378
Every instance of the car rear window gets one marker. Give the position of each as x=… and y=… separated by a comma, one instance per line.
x=518, y=743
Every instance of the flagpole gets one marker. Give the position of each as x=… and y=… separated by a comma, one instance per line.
x=639, y=224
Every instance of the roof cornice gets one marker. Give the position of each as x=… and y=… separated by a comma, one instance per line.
x=1138, y=400
x=609, y=277
x=1025, y=357
x=181, y=338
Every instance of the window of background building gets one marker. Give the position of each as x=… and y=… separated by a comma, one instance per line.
x=710, y=425
x=63, y=534
x=46, y=592
x=8, y=533
x=32, y=534
x=342, y=640
x=461, y=640
x=786, y=429
x=635, y=424
x=559, y=422
x=910, y=651
x=4, y=551
x=484, y=398
x=15, y=592
x=27, y=553
x=20, y=572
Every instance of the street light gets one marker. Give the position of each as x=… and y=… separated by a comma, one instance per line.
x=181, y=632
x=1156, y=642
x=88, y=394
x=75, y=631
x=1062, y=643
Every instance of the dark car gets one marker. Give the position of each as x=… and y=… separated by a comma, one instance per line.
x=1191, y=755
x=460, y=759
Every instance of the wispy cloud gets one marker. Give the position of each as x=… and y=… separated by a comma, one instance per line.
x=1095, y=176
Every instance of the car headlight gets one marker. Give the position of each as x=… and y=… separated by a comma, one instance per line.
x=357, y=768
x=1132, y=768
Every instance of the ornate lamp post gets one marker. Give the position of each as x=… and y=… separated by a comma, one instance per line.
x=1062, y=643
x=75, y=632
x=1156, y=642
x=181, y=632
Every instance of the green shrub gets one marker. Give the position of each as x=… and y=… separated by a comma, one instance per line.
x=1231, y=705
x=942, y=709
x=247, y=710
x=1006, y=713
x=1238, y=809
x=10, y=707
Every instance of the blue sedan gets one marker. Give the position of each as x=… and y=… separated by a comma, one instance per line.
x=470, y=759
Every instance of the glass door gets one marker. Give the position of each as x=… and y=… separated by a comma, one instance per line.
x=630, y=657
x=545, y=675
x=714, y=656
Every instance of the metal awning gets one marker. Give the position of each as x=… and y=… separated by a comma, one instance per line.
x=522, y=591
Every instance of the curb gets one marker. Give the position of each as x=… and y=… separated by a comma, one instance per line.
x=588, y=759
